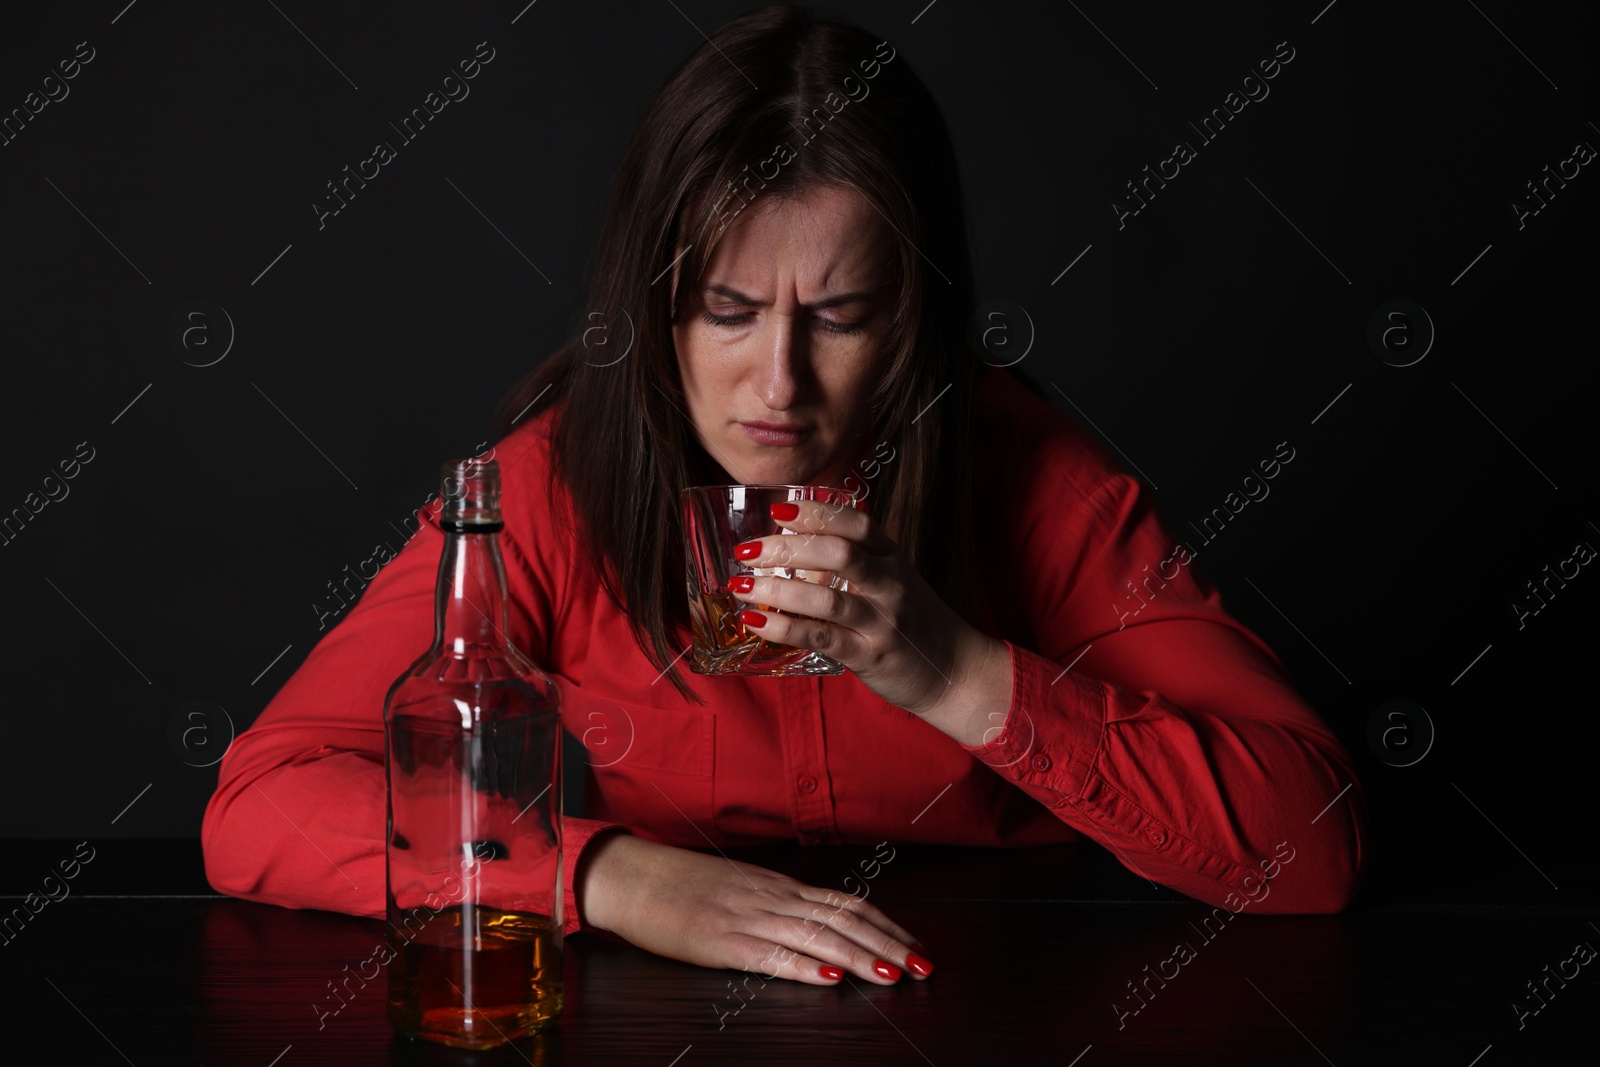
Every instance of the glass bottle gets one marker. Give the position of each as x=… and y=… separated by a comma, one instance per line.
x=473, y=742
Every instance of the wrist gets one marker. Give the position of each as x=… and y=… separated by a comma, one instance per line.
x=978, y=699
x=600, y=879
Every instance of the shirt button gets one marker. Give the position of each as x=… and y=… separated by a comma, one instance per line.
x=1041, y=762
x=807, y=784
x=1157, y=837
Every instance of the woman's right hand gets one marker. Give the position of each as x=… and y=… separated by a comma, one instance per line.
x=717, y=912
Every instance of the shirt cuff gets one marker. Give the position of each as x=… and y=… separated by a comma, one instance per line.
x=1052, y=730
x=576, y=836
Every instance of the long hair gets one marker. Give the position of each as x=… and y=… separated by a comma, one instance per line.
x=851, y=114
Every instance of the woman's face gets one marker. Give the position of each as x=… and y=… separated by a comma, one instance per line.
x=800, y=287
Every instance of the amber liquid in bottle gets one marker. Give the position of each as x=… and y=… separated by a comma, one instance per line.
x=472, y=734
x=476, y=977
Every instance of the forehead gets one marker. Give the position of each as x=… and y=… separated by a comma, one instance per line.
x=822, y=238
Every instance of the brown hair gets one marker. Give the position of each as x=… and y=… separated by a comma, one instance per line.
x=851, y=114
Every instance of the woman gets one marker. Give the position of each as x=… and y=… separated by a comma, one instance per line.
x=1036, y=663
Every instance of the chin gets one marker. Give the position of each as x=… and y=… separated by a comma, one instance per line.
x=774, y=470
x=775, y=474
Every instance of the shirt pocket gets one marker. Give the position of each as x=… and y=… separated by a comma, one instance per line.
x=651, y=769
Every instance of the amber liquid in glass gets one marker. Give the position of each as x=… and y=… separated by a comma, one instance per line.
x=514, y=987
x=717, y=626
x=715, y=519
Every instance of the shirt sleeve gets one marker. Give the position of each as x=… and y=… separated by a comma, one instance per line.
x=299, y=815
x=1156, y=725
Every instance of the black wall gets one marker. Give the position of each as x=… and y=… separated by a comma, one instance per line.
x=1223, y=318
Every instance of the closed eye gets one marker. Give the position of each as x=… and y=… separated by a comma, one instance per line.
x=738, y=320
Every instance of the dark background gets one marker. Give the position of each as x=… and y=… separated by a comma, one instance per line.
x=1222, y=319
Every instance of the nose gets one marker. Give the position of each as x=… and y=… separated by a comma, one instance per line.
x=784, y=361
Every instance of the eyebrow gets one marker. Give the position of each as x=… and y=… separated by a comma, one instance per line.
x=832, y=301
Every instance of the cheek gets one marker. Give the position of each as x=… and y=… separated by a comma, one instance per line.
x=851, y=372
x=682, y=348
x=704, y=366
x=710, y=379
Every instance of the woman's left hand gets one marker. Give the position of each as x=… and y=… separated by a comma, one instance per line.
x=891, y=629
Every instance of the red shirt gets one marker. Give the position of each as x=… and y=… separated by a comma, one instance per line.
x=1143, y=717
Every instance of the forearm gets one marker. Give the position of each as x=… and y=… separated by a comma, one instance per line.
x=310, y=834
x=271, y=836
x=1194, y=800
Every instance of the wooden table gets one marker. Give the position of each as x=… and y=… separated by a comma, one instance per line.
x=1033, y=950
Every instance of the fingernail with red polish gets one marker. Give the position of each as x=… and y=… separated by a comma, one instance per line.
x=747, y=550
x=918, y=964
x=741, y=584
x=785, y=512
x=915, y=947
x=752, y=618
x=832, y=974
x=886, y=970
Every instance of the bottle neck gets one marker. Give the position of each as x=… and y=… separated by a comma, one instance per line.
x=470, y=606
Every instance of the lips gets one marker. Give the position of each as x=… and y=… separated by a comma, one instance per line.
x=770, y=433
